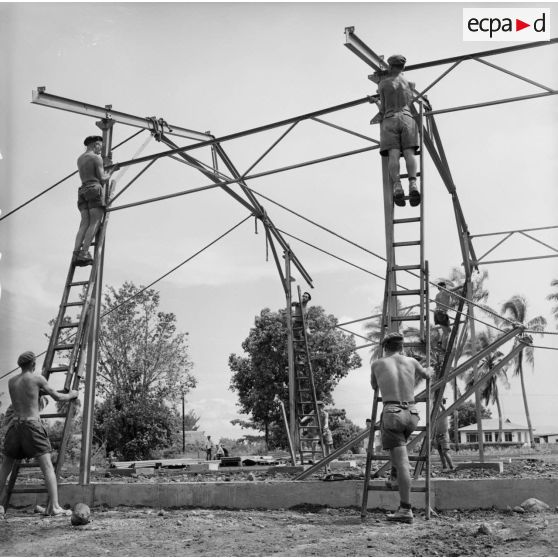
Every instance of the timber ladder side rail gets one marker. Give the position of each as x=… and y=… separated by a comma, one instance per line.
x=67, y=341
x=306, y=399
x=393, y=316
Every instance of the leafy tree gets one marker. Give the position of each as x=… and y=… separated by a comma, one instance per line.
x=489, y=392
x=342, y=428
x=554, y=297
x=467, y=414
x=516, y=309
x=144, y=369
x=261, y=375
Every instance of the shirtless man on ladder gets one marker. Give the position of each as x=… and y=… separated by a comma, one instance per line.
x=394, y=375
x=91, y=197
x=398, y=129
x=26, y=436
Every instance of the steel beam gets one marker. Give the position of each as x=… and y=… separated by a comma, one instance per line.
x=363, y=51
x=480, y=54
x=40, y=97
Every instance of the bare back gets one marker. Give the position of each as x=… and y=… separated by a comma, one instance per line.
x=90, y=166
x=443, y=301
x=24, y=393
x=395, y=376
x=395, y=94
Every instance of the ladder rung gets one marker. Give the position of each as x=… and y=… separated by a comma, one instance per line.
x=406, y=243
x=53, y=415
x=58, y=369
x=407, y=176
x=405, y=267
x=64, y=347
x=406, y=220
x=79, y=303
x=70, y=324
x=78, y=283
x=411, y=318
x=379, y=488
x=407, y=292
x=29, y=491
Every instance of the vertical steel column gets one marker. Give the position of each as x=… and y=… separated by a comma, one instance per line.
x=390, y=252
x=428, y=413
x=424, y=307
x=290, y=351
x=93, y=333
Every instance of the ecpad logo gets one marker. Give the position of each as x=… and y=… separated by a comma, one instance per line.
x=506, y=24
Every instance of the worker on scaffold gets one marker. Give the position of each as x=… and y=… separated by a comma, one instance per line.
x=398, y=129
x=91, y=197
x=298, y=309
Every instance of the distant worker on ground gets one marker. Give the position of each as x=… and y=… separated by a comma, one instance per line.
x=398, y=129
x=443, y=302
x=442, y=440
x=298, y=323
x=91, y=197
x=26, y=437
x=209, y=445
x=312, y=436
x=394, y=376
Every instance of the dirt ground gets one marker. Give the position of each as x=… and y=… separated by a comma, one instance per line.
x=293, y=532
x=301, y=531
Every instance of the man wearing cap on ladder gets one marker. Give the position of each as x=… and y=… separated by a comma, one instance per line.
x=394, y=375
x=398, y=129
x=91, y=197
x=26, y=436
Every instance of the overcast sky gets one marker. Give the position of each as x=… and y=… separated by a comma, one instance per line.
x=230, y=67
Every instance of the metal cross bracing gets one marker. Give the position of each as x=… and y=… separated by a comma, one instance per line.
x=161, y=130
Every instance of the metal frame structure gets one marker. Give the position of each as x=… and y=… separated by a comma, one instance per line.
x=161, y=130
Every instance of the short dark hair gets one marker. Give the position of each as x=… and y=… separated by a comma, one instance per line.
x=92, y=139
x=442, y=284
x=307, y=293
x=393, y=341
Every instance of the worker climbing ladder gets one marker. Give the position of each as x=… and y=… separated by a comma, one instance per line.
x=68, y=342
x=404, y=236
x=307, y=412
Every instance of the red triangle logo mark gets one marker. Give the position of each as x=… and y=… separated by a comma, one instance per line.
x=519, y=25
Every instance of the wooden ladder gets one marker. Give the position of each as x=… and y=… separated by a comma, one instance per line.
x=68, y=340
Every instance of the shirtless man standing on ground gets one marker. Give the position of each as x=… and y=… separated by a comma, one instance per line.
x=26, y=436
x=91, y=197
x=394, y=375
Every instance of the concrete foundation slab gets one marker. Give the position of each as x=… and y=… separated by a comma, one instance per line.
x=492, y=465
x=445, y=494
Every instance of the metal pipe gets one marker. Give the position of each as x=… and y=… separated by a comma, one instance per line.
x=519, y=230
x=519, y=259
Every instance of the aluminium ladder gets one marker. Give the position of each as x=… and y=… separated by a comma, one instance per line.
x=68, y=340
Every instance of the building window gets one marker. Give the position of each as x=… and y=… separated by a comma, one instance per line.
x=472, y=438
x=508, y=436
x=488, y=436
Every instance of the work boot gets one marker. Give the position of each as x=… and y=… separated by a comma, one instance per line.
x=402, y=515
x=398, y=194
x=414, y=194
x=83, y=259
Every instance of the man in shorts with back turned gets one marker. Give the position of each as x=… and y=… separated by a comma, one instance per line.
x=26, y=437
x=91, y=197
x=394, y=376
x=398, y=129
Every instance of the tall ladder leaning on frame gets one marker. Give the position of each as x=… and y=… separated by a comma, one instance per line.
x=306, y=398
x=393, y=316
x=69, y=337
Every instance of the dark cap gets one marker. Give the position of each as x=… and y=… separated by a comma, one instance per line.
x=28, y=357
x=320, y=403
x=393, y=336
x=91, y=139
x=397, y=60
x=441, y=284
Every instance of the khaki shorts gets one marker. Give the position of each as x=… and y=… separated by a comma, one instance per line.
x=441, y=318
x=90, y=196
x=443, y=442
x=26, y=439
x=397, y=424
x=398, y=131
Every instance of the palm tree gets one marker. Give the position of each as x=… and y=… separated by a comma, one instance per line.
x=554, y=297
x=516, y=309
x=489, y=391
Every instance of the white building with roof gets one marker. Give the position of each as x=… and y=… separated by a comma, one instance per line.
x=511, y=432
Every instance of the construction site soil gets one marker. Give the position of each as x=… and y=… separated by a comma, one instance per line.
x=299, y=531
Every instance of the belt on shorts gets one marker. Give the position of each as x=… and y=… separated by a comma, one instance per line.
x=402, y=403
